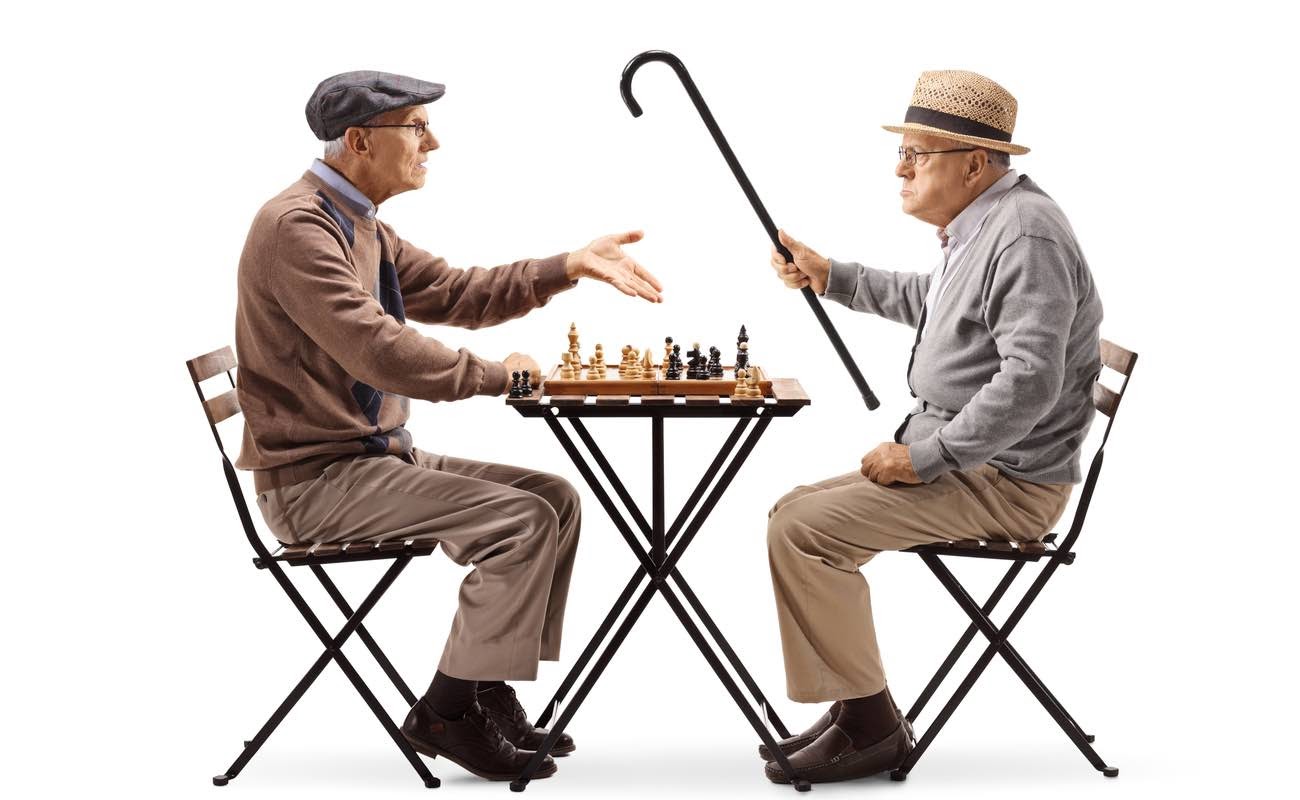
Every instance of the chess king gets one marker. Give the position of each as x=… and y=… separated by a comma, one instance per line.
x=327, y=364
x=1005, y=356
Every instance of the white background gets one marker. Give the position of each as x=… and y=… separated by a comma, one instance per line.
x=140, y=645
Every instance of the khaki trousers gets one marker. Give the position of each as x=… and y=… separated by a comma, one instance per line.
x=818, y=536
x=518, y=527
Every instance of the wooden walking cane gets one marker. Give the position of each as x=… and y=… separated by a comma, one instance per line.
x=625, y=87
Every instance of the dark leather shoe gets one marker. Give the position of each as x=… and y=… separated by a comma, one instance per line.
x=832, y=757
x=796, y=743
x=503, y=708
x=473, y=741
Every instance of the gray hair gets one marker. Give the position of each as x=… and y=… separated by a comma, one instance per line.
x=335, y=147
x=998, y=159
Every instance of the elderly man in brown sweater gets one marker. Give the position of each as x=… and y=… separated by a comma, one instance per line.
x=327, y=364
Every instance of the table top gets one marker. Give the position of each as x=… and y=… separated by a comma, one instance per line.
x=787, y=398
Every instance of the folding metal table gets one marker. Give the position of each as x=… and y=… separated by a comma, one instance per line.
x=667, y=543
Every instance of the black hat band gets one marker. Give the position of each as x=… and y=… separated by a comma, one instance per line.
x=954, y=124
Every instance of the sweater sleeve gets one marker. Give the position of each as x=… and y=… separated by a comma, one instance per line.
x=1029, y=301
x=437, y=293
x=898, y=296
x=313, y=281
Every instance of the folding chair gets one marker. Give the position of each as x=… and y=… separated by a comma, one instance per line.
x=314, y=557
x=1107, y=402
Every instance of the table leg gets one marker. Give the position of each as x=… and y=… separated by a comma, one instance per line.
x=659, y=565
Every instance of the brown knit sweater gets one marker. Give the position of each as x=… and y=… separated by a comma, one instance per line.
x=326, y=361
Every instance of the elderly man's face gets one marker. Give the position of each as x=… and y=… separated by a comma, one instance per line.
x=394, y=157
x=938, y=186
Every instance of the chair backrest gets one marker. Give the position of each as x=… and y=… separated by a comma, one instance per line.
x=1106, y=401
x=218, y=409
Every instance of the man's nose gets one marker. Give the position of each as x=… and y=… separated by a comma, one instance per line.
x=430, y=142
x=903, y=170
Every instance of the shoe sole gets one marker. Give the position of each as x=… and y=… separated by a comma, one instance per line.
x=545, y=771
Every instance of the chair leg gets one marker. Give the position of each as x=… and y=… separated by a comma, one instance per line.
x=251, y=747
x=998, y=644
x=364, y=635
x=962, y=643
x=333, y=650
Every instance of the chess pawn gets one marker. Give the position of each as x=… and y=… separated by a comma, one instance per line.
x=599, y=358
x=668, y=352
x=566, y=368
x=742, y=356
x=526, y=388
x=741, y=388
x=594, y=370
x=514, y=384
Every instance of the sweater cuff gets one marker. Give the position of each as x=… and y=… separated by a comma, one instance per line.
x=495, y=379
x=927, y=458
x=842, y=281
x=550, y=278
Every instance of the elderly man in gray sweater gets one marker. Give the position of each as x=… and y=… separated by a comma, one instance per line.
x=1006, y=352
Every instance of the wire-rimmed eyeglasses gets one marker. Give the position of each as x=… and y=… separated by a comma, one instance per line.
x=908, y=154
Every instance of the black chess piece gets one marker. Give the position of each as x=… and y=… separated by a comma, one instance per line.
x=526, y=390
x=675, y=364
x=514, y=384
x=715, y=362
x=742, y=358
x=743, y=337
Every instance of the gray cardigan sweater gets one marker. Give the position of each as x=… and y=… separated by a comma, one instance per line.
x=1004, y=374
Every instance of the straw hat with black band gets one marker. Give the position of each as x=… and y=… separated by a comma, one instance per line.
x=963, y=106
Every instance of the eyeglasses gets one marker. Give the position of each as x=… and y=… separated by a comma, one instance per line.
x=418, y=127
x=908, y=155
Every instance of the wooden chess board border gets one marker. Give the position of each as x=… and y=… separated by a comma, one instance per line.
x=784, y=392
x=655, y=385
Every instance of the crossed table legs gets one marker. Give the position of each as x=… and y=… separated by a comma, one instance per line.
x=659, y=565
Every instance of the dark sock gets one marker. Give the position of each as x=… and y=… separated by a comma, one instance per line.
x=867, y=720
x=450, y=697
x=483, y=686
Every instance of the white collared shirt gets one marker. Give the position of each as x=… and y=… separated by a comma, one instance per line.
x=956, y=238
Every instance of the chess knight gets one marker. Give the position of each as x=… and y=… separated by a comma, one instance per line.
x=1005, y=356
x=327, y=364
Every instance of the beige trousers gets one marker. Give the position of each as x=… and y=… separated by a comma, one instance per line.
x=518, y=527
x=818, y=536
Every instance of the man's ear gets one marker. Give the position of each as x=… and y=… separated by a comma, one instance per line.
x=975, y=167
x=355, y=138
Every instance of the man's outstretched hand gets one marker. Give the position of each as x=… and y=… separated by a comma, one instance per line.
x=889, y=463
x=605, y=260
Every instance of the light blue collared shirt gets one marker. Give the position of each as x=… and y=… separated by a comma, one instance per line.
x=335, y=180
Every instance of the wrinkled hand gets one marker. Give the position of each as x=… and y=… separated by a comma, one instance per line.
x=518, y=362
x=809, y=267
x=889, y=463
x=605, y=260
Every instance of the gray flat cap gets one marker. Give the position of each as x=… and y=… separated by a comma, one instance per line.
x=351, y=98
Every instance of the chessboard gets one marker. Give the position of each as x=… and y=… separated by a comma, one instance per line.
x=644, y=373
x=650, y=382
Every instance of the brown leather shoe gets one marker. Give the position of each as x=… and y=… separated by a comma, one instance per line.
x=473, y=741
x=832, y=757
x=503, y=708
x=796, y=743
